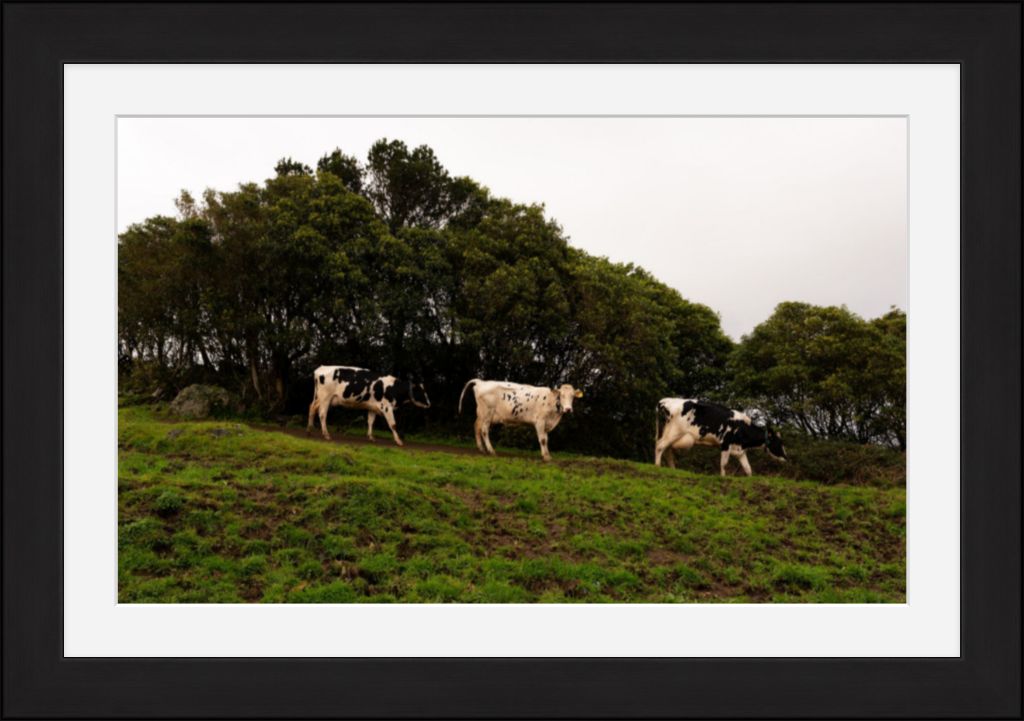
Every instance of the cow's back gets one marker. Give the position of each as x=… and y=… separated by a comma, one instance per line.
x=705, y=422
x=715, y=417
x=511, y=403
x=343, y=383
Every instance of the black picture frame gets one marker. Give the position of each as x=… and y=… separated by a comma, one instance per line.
x=983, y=37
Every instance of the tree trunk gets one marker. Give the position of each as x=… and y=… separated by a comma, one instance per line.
x=255, y=378
x=250, y=351
x=206, y=358
x=279, y=387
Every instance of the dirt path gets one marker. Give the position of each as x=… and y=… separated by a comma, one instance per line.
x=593, y=465
x=350, y=440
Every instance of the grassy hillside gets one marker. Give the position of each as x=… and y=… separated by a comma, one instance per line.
x=221, y=512
x=825, y=461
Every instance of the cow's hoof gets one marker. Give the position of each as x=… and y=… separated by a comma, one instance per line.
x=327, y=438
x=371, y=439
x=398, y=442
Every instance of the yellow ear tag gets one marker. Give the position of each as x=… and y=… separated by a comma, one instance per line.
x=579, y=394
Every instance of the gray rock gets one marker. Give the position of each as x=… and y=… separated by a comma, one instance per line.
x=200, y=401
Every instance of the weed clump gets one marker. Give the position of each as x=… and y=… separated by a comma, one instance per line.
x=168, y=503
x=791, y=576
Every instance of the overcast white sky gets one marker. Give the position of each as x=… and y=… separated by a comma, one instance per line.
x=736, y=213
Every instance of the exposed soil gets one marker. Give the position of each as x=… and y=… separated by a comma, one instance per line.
x=350, y=440
x=598, y=466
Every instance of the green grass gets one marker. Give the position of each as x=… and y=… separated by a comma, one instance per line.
x=221, y=512
x=825, y=461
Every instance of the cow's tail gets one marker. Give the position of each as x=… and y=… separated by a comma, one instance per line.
x=465, y=388
x=657, y=430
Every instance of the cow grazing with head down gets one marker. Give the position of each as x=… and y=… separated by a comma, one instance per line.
x=359, y=388
x=687, y=422
x=501, y=402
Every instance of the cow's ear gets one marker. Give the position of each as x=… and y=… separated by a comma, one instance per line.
x=579, y=394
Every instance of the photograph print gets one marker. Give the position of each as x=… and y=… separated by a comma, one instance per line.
x=512, y=359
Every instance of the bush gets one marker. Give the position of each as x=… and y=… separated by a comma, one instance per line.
x=809, y=459
x=837, y=462
x=168, y=503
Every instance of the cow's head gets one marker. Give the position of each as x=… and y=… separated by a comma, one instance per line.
x=773, y=444
x=566, y=395
x=410, y=392
x=418, y=395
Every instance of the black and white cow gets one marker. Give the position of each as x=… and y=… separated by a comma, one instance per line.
x=501, y=402
x=687, y=422
x=359, y=388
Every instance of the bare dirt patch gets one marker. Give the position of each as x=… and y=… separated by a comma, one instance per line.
x=347, y=440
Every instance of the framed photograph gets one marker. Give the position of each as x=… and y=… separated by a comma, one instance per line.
x=512, y=360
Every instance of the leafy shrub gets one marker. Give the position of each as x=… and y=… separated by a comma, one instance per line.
x=811, y=459
x=168, y=503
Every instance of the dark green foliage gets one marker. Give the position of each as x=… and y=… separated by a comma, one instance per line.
x=410, y=188
x=397, y=266
x=168, y=503
x=287, y=166
x=813, y=459
x=827, y=372
x=344, y=167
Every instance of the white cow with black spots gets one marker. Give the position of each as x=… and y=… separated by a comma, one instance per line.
x=501, y=402
x=688, y=422
x=353, y=387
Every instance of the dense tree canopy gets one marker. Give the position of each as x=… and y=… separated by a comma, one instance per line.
x=397, y=266
x=827, y=372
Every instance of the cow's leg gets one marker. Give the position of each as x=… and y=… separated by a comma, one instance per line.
x=389, y=415
x=542, y=438
x=370, y=418
x=478, y=434
x=725, y=460
x=685, y=443
x=667, y=440
x=745, y=463
x=312, y=412
x=324, y=407
x=485, y=431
